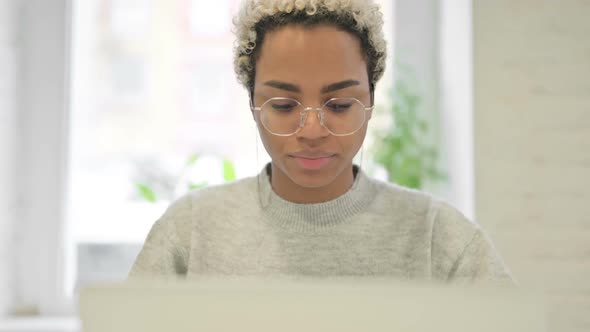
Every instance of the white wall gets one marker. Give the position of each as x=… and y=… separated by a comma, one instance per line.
x=8, y=132
x=532, y=145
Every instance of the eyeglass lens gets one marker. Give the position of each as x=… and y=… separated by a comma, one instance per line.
x=285, y=116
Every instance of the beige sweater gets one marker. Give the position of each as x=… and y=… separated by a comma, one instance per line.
x=375, y=229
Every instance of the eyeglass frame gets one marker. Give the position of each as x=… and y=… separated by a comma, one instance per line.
x=304, y=112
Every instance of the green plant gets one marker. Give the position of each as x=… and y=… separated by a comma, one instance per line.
x=401, y=148
x=157, y=184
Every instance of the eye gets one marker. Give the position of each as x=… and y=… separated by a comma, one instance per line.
x=339, y=106
x=283, y=106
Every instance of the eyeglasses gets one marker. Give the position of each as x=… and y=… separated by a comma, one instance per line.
x=286, y=116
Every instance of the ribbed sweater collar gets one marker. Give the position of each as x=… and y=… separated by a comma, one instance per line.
x=315, y=217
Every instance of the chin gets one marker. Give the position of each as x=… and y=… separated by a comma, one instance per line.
x=312, y=178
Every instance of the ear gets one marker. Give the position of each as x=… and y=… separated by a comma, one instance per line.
x=372, y=89
x=251, y=93
x=255, y=113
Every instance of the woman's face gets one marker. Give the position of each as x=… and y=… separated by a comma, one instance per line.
x=311, y=65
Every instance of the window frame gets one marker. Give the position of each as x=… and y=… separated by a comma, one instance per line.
x=43, y=88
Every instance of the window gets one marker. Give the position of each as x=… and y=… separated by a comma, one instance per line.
x=136, y=125
x=156, y=111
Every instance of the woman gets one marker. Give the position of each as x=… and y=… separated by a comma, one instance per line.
x=311, y=67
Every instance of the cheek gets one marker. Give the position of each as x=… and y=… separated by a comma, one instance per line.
x=263, y=134
x=353, y=143
x=272, y=144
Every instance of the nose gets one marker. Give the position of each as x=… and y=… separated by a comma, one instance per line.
x=311, y=126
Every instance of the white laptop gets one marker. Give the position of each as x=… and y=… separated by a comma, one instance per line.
x=306, y=305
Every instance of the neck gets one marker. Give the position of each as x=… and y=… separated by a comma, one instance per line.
x=292, y=192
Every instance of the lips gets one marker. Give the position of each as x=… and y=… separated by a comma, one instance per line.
x=312, y=161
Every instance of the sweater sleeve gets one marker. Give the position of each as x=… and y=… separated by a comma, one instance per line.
x=164, y=252
x=462, y=252
x=480, y=262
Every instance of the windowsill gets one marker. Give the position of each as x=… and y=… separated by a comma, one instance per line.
x=40, y=324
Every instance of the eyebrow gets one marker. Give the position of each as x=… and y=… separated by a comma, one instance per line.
x=326, y=89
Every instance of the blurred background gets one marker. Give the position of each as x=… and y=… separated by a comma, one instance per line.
x=110, y=109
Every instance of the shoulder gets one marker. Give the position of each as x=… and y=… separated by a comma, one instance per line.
x=223, y=196
x=447, y=224
x=392, y=198
x=452, y=230
x=214, y=198
x=459, y=248
x=462, y=251
x=183, y=209
x=199, y=205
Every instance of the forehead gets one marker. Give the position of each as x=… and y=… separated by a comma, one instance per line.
x=321, y=54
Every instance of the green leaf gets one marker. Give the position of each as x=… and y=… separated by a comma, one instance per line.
x=423, y=126
x=193, y=186
x=414, y=182
x=146, y=192
x=229, y=171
